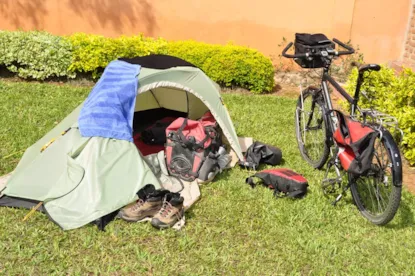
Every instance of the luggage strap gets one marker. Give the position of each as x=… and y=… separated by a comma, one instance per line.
x=188, y=142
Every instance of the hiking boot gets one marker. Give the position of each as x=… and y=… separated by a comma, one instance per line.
x=170, y=213
x=148, y=204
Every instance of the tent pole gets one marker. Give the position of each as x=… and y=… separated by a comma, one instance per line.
x=154, y=96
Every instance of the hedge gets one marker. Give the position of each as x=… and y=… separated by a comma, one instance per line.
x=93, y=52
x=393, y=94
x=39, y=55
x=36, y=55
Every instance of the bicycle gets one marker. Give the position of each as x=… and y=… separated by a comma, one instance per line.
x=377, y=193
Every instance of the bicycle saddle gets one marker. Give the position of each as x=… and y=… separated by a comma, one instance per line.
x=369, y=67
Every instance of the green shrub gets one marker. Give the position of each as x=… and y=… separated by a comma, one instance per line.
x=36, y=55
x=393, y=94
x=93, y=52
x=229, y=65
x=40, y=55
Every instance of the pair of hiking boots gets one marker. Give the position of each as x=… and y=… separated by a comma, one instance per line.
x=165, y=208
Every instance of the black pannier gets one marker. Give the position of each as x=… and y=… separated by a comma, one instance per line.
x=311, y=43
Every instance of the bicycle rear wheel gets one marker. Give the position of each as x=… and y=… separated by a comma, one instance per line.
x=310, y=127
x=377, y=194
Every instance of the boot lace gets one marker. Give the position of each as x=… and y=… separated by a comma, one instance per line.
x=138, y=204
x=165, y=209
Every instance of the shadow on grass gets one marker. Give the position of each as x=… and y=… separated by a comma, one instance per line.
x=403, y=219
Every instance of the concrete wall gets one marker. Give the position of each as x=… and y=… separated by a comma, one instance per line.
x=378, y=26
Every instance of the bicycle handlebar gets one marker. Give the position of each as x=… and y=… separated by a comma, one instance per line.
x=349, y=51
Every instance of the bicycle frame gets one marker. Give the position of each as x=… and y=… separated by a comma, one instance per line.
x=327, y=79
x=323, y=115
x=382, y=119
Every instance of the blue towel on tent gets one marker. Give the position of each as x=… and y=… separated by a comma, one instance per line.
x=109, y=109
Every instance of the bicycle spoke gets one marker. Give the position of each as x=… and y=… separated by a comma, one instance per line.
x=376, y=187
x=380, y=199
x=311, y=131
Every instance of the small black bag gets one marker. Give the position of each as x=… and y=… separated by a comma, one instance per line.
x=311, y=43
x=155, y=134
x=282, y=181
x=259, y=153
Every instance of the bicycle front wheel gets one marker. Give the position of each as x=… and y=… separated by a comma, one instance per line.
x=310, y=126
x=377, y=194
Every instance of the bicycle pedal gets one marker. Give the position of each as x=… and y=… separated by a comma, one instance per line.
x=332, y=180
x=331, y=185
x=340, y=196
x=337, y=199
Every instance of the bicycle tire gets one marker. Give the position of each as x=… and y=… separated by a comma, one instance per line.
x=393, y=203
x=318, y=162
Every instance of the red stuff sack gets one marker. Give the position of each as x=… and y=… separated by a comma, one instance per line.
x=356, y=143
x=188, y=144
x=283, y=181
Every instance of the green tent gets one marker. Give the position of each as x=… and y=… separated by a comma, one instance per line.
x=85, y=169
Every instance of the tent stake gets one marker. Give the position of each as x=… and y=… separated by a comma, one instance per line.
x=32, y=211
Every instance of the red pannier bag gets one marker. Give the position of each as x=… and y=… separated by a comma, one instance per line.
x=188, y=144
x=356, y=143
x=282, y=181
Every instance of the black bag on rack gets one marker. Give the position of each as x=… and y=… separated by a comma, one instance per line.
x=311, y=43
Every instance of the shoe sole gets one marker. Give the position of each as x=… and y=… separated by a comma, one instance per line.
x=129, y=219
x=168, y=225
x=163, y=226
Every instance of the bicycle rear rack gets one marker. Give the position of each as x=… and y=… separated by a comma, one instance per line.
x=383, y=120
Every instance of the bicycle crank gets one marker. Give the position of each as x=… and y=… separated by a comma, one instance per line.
x=331, y=185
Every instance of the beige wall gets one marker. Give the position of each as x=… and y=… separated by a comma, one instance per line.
x=378, y=26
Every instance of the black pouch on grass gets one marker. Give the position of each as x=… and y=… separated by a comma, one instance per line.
x=283, y=181
x=260, y=153
x=105, y=220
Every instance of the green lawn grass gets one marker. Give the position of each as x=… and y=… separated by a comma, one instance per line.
x=232, y=230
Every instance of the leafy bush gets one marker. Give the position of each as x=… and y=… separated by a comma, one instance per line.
x=393, y=94
x=93, y=52
x=40, y=55
x=36, y=55
x=229, y=65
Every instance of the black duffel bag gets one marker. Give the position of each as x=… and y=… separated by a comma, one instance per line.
x=260, y=153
